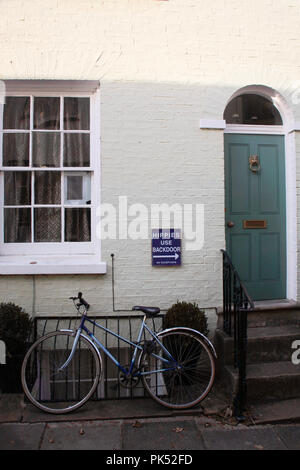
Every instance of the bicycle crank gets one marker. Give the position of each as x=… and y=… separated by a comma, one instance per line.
x=129, y=380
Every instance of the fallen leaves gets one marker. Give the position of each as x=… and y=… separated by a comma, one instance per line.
x=178, y=429
x=137, y=424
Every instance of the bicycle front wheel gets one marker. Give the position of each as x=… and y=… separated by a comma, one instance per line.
x=54, y=390
x=184, y=381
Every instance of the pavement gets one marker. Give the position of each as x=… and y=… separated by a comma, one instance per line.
x=140, y=424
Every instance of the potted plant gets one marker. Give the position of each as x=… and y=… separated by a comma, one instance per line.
x=15, y=330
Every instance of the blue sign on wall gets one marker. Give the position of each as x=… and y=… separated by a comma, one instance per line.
x=166, y=247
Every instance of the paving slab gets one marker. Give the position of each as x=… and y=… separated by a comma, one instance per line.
x=11, y=407
x=290, y=435
x=253, y=438
x=108, y=409
x=86, y=435
x=171, y=435
x=21, y=436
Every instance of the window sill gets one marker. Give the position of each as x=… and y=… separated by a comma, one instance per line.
x=11, y=265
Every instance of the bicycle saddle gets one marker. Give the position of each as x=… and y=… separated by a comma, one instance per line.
x=149, y=311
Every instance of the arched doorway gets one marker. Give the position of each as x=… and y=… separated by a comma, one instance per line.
x=258, y=213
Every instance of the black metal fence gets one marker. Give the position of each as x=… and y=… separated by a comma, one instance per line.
x=127, y=326
x=236, y=305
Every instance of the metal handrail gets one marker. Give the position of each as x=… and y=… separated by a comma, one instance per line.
x=236, y=305
x=228, y=259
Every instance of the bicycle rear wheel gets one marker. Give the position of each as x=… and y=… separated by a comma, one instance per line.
x=56, y=391
x=184, y=382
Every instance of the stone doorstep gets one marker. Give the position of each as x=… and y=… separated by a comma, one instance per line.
x=273, y=387
x=264, y=305
x=278, y=304
x=269, y=313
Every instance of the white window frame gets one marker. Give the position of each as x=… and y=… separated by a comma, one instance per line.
x=63, y=257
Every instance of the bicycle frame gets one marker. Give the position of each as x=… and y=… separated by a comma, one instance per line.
x=170, y=362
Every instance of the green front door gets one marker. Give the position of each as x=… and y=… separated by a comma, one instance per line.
x=255, y=214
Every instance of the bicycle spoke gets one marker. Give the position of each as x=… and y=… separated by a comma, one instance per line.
x=186, y=382
x=55, y=390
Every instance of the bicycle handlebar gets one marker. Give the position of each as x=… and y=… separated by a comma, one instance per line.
x=81, y=300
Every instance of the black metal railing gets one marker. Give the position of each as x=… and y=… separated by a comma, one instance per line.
x=127, y=326
x=236, y=305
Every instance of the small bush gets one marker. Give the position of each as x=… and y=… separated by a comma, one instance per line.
x=15, y=328
x=188, y=315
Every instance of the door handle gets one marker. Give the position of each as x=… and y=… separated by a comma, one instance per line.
x=230, y=224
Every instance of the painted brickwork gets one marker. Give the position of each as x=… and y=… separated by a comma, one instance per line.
x=163, y=65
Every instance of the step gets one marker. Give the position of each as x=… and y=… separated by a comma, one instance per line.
x=268, y=381
x=271, y=343
x=264, y=344
x=270, y=313
x=278, y=411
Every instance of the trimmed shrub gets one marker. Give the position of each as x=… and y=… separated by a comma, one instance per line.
x=15, y=328
x=186, y=314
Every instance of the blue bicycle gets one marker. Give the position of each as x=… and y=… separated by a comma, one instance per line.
x=176, y=366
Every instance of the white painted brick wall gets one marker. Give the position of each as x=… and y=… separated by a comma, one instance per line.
x=162, y=66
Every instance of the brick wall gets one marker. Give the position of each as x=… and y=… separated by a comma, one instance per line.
x=162, y=67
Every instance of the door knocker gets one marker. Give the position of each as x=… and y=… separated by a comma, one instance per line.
x=254, y=163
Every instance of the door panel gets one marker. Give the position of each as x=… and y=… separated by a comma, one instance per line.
x=240, y=249
x=259, y=254
x=239, y=201
x=269, y=257
x=268, y=182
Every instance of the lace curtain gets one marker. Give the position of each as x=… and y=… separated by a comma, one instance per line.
x=42, y=187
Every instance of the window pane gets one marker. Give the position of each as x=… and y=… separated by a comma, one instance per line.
x=76, y=150
x=47, y=187
x=77, y=188
x=77, y=113
x=17, y=188
x=74, y=188
x=252, y=109
x=46, y=113
x=16, y=112
x=17, y=225
x=16, y=149
x=46, y=149
x=47, y=224
x=78, y=225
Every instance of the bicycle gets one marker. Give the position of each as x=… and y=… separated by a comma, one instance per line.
x=176, y=366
